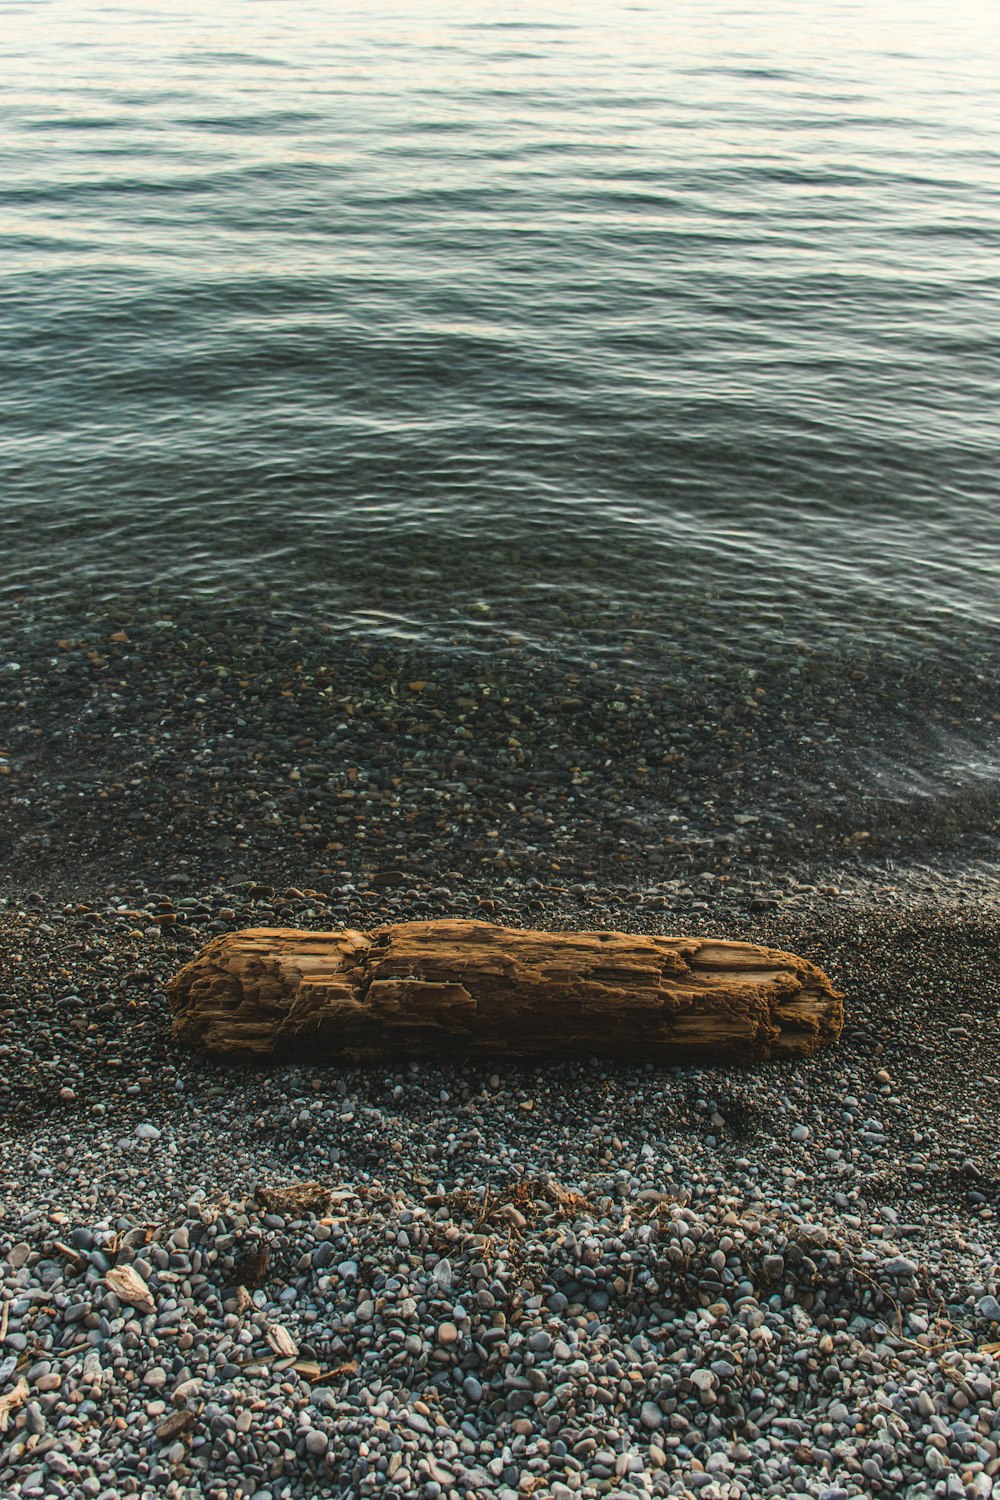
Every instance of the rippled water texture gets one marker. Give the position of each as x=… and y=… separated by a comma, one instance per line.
x=603, y=325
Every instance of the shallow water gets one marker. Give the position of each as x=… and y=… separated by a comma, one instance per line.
x=661, y=340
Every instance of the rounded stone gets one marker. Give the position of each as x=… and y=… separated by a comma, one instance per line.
x=651, y=1416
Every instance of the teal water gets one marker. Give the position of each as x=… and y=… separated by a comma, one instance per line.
x=593, y=326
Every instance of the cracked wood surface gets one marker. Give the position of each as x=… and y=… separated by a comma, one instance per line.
x=464, y=988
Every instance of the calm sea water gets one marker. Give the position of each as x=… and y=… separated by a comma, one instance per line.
x=599, y=324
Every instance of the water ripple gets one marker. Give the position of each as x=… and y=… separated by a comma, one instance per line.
x=411, y=313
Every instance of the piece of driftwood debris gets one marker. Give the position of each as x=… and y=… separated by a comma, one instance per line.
x=296, y=1200
x=12, y=1400
x=128, y=1286
x=462, y=988
x=175, y=1426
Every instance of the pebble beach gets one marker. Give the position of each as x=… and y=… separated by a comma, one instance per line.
x=578, y=1278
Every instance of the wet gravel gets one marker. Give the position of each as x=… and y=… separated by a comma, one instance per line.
x=223, y=743
x=560, y=1280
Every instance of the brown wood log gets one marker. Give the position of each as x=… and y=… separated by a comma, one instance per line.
x=458, y=988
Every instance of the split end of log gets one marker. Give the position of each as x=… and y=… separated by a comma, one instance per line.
x=466, y=989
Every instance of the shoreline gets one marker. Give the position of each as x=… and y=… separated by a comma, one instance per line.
x=193, y=745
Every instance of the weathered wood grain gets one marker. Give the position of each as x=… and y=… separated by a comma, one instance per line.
x=461, y=988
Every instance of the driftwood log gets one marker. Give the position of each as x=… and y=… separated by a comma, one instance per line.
x=458, y=988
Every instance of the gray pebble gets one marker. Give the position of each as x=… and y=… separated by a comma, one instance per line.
x=651, y=1416
x=900, y=1265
